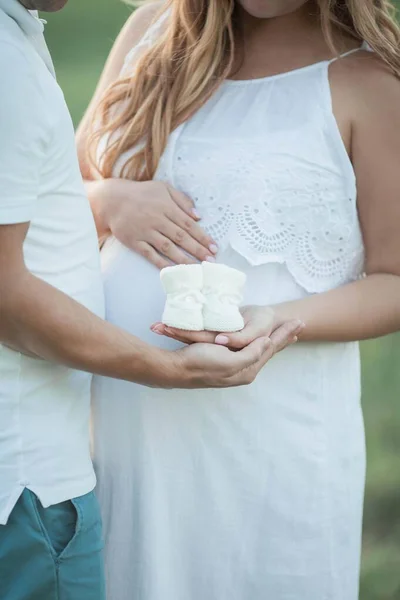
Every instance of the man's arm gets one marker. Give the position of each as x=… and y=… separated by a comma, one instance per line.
x=37, y=319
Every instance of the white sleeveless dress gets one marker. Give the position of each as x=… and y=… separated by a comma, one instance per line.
x=253, y=493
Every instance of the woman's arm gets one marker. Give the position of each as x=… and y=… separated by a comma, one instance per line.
x=364, y=309
x=151, y=218
x=370, y=307
x=130, y=35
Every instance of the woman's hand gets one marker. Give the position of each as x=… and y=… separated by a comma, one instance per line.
x=259, y=322
x=153, y=219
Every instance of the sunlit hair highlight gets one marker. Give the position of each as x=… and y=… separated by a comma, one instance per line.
x=192, y=56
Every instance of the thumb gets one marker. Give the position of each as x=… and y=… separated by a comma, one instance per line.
x=286, y=334
x=258, y=351
x=240, y=339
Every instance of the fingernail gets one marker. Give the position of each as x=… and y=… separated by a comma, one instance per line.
x=295, y=339
x=213, y=248
x=196, y=213
x=222, y=340
x=210, y=259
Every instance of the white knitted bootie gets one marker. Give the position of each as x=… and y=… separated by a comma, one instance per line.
x=184, y=305
x=222, y=289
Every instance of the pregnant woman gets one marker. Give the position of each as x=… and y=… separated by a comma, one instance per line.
x=278, y=121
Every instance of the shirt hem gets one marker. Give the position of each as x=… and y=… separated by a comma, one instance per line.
x=55, y=497
x=16, y=214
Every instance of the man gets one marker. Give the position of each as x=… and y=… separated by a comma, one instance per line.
x=52, y=334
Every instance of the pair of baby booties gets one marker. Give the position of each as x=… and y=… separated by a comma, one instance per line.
x=203, y=297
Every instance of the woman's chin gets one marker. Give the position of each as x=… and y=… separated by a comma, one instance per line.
x=269, y=9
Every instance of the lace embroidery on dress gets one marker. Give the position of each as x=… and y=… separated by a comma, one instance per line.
x=290, y=213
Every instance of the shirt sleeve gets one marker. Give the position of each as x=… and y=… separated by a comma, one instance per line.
x=23, y=136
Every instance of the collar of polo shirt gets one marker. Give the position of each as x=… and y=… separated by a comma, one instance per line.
x=27, y=19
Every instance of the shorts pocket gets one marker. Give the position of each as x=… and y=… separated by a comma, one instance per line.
x=88, y=539
x=60, y=524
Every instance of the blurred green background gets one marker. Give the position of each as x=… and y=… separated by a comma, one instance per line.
x=80, y=38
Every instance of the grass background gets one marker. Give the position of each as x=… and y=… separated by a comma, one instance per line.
x=80, y=38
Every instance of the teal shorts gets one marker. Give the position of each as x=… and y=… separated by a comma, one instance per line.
x=53, y=553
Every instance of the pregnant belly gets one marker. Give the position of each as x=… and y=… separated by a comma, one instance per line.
x=133, y=293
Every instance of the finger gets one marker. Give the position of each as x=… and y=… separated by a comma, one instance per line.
x=265, y=348
x=184, y=202
x=249, y=373
x=150, y=254
x=187, y=242
x=258, y=352
x=242, y=338
x=176, y=337
x=286, y=334
x=187, y=337
x=169, y=249
x=177, y=216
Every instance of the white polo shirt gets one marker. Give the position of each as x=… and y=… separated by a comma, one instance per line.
x=44, y=408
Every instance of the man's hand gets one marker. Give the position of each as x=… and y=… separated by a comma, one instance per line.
x=210, y=365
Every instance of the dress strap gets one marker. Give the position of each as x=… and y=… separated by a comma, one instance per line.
x=364, y=46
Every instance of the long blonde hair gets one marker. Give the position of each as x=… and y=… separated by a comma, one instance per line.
x=193, y=55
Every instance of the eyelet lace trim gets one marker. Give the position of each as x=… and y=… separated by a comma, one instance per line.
x=289, y=211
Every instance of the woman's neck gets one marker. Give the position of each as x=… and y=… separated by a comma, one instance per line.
x=301, y=19
x=270, y=46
